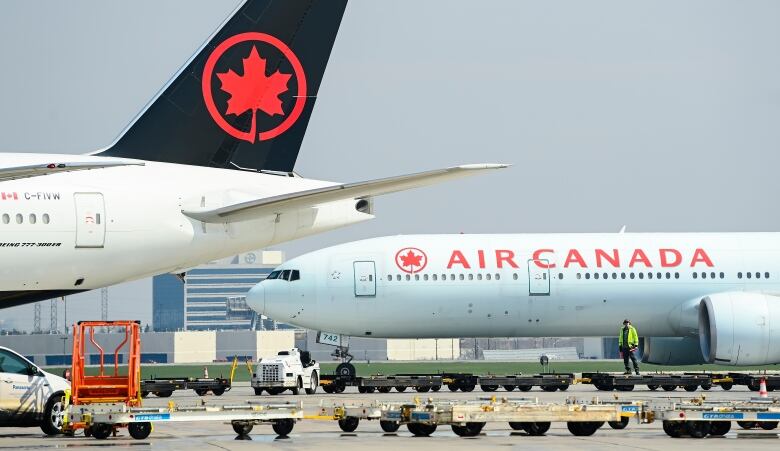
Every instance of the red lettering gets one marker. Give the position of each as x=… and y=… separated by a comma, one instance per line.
x=665, y=263
x=457, y=258
x=504, y=255
x=613, y=259
x=481, y=257
x=537, y=257
x=699, y=256
x=574, y=257
x=639, y=257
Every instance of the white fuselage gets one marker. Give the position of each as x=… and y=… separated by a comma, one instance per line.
x=93, y=228
x=527, y=285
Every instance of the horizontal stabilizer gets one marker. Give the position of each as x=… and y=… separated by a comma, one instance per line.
x=311, y=198
x=35, y=170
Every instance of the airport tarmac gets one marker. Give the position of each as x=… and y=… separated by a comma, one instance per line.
x=325, y=435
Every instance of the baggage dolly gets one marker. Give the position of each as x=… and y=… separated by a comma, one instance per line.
x=699, y=418
x=347, y=414
x=666, y=381
x=468, y=418
x=102, y=419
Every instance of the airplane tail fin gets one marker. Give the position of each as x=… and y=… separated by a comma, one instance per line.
x=243, y=101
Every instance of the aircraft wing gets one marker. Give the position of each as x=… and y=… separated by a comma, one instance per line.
x=36, y=170
x=285, y=202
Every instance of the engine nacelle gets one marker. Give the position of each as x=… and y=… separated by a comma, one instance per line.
x=672, y=351
x=740, y=328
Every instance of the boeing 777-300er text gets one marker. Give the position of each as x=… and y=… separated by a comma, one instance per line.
x=203, y=172
x=696, y=297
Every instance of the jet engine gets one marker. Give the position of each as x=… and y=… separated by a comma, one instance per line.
x=740, y=328
x=672, y=351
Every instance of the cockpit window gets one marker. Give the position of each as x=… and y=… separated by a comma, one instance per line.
x=295, y=275
x=285, y=274
x=273, y=275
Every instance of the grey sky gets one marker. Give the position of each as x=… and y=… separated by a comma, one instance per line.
x=663, y=116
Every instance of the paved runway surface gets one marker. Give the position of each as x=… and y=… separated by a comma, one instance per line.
x=326, y=435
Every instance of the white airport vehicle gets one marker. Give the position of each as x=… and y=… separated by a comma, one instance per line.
x=29, y=396
x=292, y=370
x=694, y=297
x=205, y=171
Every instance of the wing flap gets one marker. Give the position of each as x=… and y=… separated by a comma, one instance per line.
x=301, y=199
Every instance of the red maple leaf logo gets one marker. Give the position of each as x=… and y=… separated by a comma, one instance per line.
x=254, y=90
x=410, y=259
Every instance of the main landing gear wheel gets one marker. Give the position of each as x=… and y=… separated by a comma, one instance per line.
x=140, y=431
x=283, y=427
x=346, y=369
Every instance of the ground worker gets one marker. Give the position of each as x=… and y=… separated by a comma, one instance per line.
x=628, y=342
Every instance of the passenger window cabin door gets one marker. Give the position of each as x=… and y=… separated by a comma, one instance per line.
x=538, y=277
x=365, y=278
x=90, y=220
x=22, y=395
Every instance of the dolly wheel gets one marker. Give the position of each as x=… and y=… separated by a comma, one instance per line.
x=697, y=429
x=349, y=424
x=283, y=427
x=719, y=428
x=583, y=428
x=139, y=431
x=517, y=425
x=389, y=426
x=673, y=428
x=537, y=428
x=420, y=429
x=619, y=424
x=101, y=431
x=242, y=428
x=469, y=430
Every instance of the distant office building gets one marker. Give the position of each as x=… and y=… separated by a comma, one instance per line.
x=167, y=303
x=215, y=294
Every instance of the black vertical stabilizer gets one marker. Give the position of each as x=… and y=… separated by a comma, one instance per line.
x=245, y=99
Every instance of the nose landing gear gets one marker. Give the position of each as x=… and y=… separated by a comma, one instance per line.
x=345, y=368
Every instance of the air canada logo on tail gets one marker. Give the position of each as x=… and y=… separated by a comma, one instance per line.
x=411, y=260
x=263, y=98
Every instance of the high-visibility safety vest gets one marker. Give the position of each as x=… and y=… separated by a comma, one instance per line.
x=633, y=338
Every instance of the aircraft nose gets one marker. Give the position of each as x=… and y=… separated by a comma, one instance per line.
x=255, y=298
